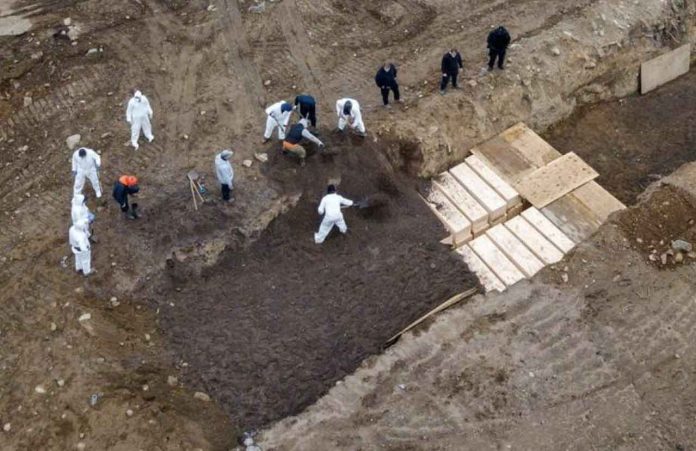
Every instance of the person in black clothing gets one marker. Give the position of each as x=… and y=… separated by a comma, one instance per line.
x=451, y=66
x=307, y=107
x=386, y=80
x=498, y=41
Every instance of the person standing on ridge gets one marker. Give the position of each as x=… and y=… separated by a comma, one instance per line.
x=498, y=41
x=386, y=81
x=139, y=115
x=450, y=68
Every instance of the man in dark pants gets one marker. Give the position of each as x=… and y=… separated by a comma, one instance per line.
x=451, y=66
x=124, y=186
x=386, y=81
x=308, y=108
x=498, y=41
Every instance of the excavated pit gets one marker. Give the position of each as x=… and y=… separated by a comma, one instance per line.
x=271, y=327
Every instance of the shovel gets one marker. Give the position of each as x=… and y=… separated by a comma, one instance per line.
x=372, y=201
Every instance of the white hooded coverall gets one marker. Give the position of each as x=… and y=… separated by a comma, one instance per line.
x=86, y=167
x=138, y=114
x=354, y=119
x=80, y=212
x=276, y=118
x=224, y=171
x=330, y=207
x=79, y=243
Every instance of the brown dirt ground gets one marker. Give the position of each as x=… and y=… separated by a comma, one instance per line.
x=270, y=328
x=205, y=72
x=603, y=361
x=633, y=141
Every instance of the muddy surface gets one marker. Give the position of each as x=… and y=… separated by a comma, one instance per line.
x=634, y=141
x=272, y=327
x=601, y=360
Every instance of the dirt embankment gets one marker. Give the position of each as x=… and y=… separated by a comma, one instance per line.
x=600, y=361
x=634, y=141
x=591, y=54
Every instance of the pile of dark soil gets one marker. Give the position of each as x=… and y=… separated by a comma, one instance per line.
x=668, y=214
x=272, y=327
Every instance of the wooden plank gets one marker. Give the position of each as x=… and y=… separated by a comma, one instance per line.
x=479, y=189
x=507, y=192
x=487, y=278
x=494, y=258
x=572, y=217
x=548, y=230
x=455, y=222
x=555, y=180
x=534, y=240
x=504, y=158
x=531, y=146
x=515, y=250
x=664, y=68
x=445, y=305
x=599, y=200
x=460, y=197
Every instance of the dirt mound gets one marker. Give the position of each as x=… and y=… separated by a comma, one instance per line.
x=272, y=327
x=668, y=214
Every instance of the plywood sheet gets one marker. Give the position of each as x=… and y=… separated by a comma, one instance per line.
x=534, y=240
x=556, y=179
x=460, y=197
x=496, y=260
x=664, y=68
x=451, y=217
x=505, y=160
x=507, y=192
x=480, y=190
x=488, y=279
x=599, y=200
x=515, y=250
x=573, y=218
x=531, y=146
x=548, y=229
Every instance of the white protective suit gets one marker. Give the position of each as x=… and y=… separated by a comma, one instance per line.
x=80, y=212
x=223, y=170
x=330, y=207
x=86, y=167
x=79, y=243
x=275, y=117
x=354, y=119
x=138, y=115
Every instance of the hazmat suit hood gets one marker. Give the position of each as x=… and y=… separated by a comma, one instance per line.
x=138, y=95
x=285, y=107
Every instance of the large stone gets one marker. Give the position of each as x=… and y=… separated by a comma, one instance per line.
x=201, y=396
x=681, y=245
x=72, y=141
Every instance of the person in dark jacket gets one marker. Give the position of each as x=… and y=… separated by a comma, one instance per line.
x=126, y=185
x=307, y=108
x=294, y=137
x=498, y=41
x=451, y=66
x=386, y=81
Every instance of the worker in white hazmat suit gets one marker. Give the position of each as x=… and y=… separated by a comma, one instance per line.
x=330, y=207
x=224, y=173
x=348, y=111
x=79, y=243
x=80, y=212
x=139, y=114
x=277, y=115
x=85, y=164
